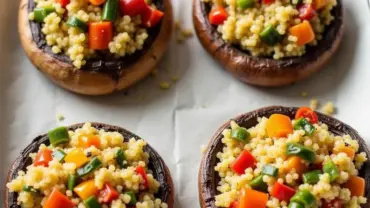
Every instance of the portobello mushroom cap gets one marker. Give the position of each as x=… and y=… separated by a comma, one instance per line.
x=102, y=75
x=156, y=164
x=265, y=71
x=208, y=178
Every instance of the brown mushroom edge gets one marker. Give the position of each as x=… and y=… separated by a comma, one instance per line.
x=209, y=179
x=156, y=164
x=263, y=71
x=103, y=75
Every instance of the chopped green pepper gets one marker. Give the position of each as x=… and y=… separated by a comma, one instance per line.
x=94, y=164
x=270, y=170
x=30, y=189
x=258, y=184
x=92, y=202
x=58, y=136
x=240, y=134
x=270, y=35
x=301, y=151
x=121, y=158
x=110, y=10
x=42, y=13
x=295, y=205
x=72, y=179
x=312, y=177
x=304, y=197
x=304, y=124
x=245, y=4
x=59, y=155
x=133, y=199
x=330, y=168
x=75, y=22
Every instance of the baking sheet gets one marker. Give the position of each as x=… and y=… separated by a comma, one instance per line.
x=177, y=121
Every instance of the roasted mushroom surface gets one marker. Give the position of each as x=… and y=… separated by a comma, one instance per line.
x=255, y=68
x=155, y=179
x=265, y=190
x=103, y=69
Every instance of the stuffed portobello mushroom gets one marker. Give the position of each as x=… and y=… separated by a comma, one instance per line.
x=270, y=42
x=285, y=157
x=89, y=165
x=95, y=47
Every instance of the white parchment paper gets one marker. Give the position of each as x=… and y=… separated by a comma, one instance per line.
x=177, y=121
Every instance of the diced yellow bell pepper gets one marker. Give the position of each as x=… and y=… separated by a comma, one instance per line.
x=77, y=157
x=86, y=189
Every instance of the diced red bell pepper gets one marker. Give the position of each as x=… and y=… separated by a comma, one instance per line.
x=133, y=7
x=245, y=160
x=58, y=200
x=234, y=204
x=306, y=11
x=141, y=171
x=336, y=203
x=267, y=2
x=108, y=194
x=282, y=192
x=43, y=157
x=64, y=3
x=218, y=15
x=307, y=113
x=151, y=17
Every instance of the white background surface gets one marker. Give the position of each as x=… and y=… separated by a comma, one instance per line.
x=176, y=122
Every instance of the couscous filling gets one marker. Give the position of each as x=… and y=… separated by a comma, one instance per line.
x=289, y=164
x=88, y=168
x=272, y=28
x=81, y=28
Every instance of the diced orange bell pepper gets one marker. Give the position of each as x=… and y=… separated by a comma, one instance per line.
x=297, y=163
x=303, y=31
x=97, y=2
x=91, y=141
x=43, y=158
x=356, y=185
x=349, y=151
x=100, y=35
x=58, y=200
x=250, y=198
x=77, y=157
x=278, y=126
x=319, y=4
x=86, y=189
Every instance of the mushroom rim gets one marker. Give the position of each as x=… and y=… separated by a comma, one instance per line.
x=208, y=178
x=160, y=170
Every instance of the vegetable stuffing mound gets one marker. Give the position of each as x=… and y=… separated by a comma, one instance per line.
x=272, y=28
x=80, y=29
x=88, y=168
x=289, y=164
